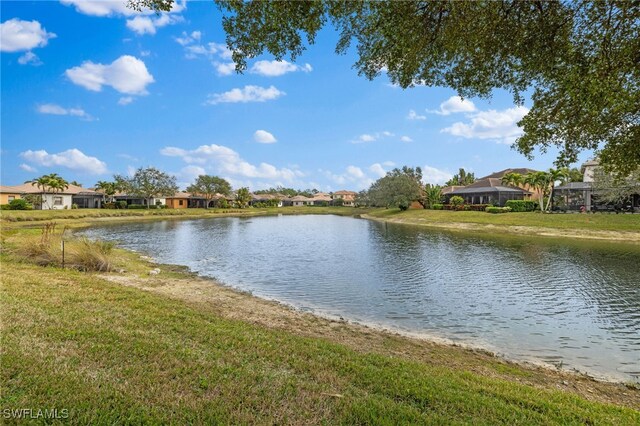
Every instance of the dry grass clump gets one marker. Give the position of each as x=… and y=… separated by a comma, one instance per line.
x=82, y=254
x=90, y=255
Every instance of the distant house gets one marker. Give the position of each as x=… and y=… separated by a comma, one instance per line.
x=581, y=195
x=489, y=191
x=275, y=198
x=138, y=200
x=8, y=194
x=64, y=199
x=300, y=200
x=348, y=197
x=184, y=200
x=321, y=199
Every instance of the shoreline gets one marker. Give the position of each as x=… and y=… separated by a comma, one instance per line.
x=629, y=237
x=530, y=363
x=237, y=304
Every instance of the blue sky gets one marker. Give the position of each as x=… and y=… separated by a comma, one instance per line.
x=90, y=88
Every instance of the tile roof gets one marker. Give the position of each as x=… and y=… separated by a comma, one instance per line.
x=27, y=188
x=522, y=171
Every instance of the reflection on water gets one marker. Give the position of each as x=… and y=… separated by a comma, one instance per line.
x=575, y=304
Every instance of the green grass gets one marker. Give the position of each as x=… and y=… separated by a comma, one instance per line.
x=596, y=222
x=114, y=354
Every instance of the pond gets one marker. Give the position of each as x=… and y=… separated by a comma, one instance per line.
x=563, y=303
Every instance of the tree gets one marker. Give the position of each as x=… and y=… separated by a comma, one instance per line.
x=49, y=183
x=609, y=189
x=553, y=176
x=75, y=182
x=148, y=183
x=243, y=196
x=398, y=188
x=512, y=179
x=461, y=179
x=538, y=181
x=432, y=195
x=580, y=57
x=108, y=189
x=575, y=175
x=209, y=187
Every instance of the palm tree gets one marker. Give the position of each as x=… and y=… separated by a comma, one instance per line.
x=512, y=179
x=57, y=183
x=555, y=175
x=42, y=183
x=108, y=189
x=432, y=195
x=538, y=181
x=243, y=196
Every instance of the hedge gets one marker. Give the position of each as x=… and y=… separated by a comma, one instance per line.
x=522, y=205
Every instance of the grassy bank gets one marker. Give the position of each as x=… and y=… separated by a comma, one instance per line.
x=85, y=217
x=622, y=227
x=130, y=347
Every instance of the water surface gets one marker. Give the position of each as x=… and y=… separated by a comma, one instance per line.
x=570, y=304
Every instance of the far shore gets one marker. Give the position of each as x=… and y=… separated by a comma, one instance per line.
x=597, y=227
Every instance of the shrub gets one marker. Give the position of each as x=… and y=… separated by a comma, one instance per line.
x=5, y=207
x=74, y=206
x=403, y=205
x=19, y=204
x=136, y=206
x=121, y=204
x=522, y=205
x=498, y=209
x=456, y=201
x=478, y=207
x=108, y=205
x=437, y=206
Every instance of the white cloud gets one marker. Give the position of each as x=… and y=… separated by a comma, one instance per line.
x=28, y=168
x=356, y=172
x=246, y=94
x=262, y=136
x=277, y=68
x=114, y=7
x=17, y=35
x=226, y=161
x=54, y=109
x=500, y=126
x=435, y=176
x=73, y=159
x=415, y=116
x=225, y=68
x=149, y=25
x=372, y=137
x=29, y=58
x=377, y=170
x=454, y=105
x=127, y=74
x=209, y=50
x=125, y=100
x=406, y=139
x=100, y=8
x=145, y=53
x=366, y=138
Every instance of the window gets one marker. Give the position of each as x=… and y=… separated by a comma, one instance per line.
x=57, y=201
x=181, y=202
x=10, y=198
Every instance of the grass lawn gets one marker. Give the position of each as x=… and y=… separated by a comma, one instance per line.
x=113, y=354
x=570, y=221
